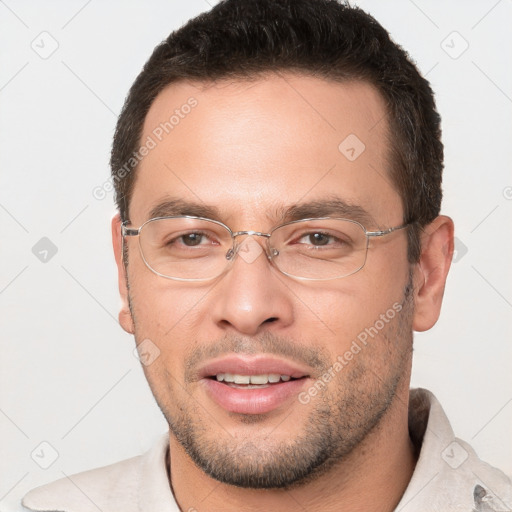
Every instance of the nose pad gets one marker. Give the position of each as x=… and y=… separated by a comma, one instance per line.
x=249, y=249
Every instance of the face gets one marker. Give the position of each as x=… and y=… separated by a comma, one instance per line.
x=248, y=154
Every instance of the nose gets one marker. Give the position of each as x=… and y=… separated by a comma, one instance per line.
x=252, y=296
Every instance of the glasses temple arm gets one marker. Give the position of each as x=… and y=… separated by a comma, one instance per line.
x=387, y=231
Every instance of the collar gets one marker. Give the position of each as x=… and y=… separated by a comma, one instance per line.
x=448, y=476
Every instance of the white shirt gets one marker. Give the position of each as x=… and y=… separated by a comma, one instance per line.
x=448, y=476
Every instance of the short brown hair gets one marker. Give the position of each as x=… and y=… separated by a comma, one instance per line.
x=243, y=38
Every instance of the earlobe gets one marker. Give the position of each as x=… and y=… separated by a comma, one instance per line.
x=125, y=316
x=431, y=272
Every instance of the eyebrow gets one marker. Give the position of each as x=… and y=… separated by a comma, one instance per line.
x=176, y=207
x=328, y=207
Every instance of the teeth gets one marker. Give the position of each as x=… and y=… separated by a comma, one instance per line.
x=264, y=378
x=259, y=379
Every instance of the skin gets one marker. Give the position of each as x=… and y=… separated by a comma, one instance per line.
x=249, y=148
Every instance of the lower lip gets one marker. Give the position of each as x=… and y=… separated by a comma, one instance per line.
x=253, y=401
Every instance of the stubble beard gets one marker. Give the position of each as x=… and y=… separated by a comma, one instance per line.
x=350, y=408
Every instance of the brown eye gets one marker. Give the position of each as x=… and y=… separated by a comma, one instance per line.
x=319, y=238
x=192, y=239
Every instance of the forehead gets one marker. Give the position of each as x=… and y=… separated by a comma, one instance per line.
x=251, y=148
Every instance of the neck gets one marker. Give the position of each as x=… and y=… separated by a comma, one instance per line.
x=372, y=478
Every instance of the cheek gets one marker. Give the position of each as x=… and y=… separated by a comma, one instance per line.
x=349, y=306
x=164, y=317
x=161, y=305
x=171, y=315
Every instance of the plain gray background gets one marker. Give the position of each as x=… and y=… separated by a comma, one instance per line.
x=68, y=375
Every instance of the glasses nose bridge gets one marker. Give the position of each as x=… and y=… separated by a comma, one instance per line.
x=237, y=245
x=236, y=234
x=249, y=233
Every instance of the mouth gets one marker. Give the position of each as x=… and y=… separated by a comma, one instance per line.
x=253, y=385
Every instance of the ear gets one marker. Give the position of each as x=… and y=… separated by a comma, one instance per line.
x=125, y=316
x=431, y=271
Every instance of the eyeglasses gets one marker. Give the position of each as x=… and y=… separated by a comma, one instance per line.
x=188, y=248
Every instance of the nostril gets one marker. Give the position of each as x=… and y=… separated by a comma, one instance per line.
x=270, y=320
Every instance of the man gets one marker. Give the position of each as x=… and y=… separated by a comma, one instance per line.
x=278, y=175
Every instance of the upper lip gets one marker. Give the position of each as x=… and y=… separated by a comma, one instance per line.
x=253, y=365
